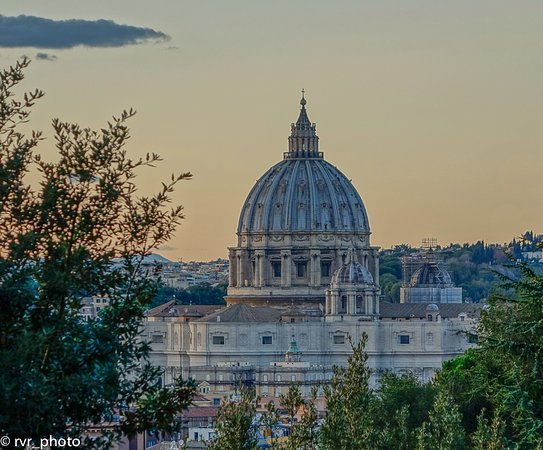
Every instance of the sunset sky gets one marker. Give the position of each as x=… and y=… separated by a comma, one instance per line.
x=434, y=109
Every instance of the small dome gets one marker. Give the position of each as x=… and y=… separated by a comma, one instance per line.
x=352, y=273
x=430, y=274
x=432, y=307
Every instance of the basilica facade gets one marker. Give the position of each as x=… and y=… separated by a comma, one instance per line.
x=303, y=281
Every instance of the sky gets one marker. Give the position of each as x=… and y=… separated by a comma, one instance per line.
x=433, y=108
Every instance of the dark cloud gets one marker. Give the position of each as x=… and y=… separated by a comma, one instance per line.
x=38, y=32
x=46, y=56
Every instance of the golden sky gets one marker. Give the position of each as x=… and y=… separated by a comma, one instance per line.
x=434, y=109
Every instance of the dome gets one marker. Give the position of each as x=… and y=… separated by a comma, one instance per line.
x=295, y=228
x=432, y=307
x=352, y=273
x=303, y=195
x=430, y=274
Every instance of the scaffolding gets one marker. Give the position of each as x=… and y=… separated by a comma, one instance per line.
x=428, y=253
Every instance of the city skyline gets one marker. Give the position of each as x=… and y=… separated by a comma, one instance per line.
x=434, y=111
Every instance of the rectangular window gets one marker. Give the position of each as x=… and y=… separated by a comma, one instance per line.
x=218, y=340
x=325, y=268
x=267, y=340
x=276, y=269
x=265, y=378
x=301, y=269
x=339, y=339
x=157, y=339
x=403, y=339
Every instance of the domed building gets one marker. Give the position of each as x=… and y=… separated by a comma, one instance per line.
x=296, y=227
x=352, y=292
x=303, y=283
x=430, y=283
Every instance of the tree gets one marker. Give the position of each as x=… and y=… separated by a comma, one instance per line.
x=235, y=430
x=390, y=287
x=465, y=378
x=269, y=422
x=200, y=294
x=81, y=231
x=292, y=401
x=349, y=421
x=395, y=432
x=511, y=332
x=304, y=434
x=402, y=405
x=443, y=429
x=489, y=436
x=501, y=379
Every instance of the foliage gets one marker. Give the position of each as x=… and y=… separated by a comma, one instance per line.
x=200, y=294
x=292, y=401
x=512, y=332
x=465, y=378
x=235, y=430
x=502, y=379
x=395, y=432
x=402, y=405
x=443, y=429
x=269, y=423
x=58, y=243
x=390, y=264
x=390, y=287
x=349, y=423
x=304, y=434
x=489, y=436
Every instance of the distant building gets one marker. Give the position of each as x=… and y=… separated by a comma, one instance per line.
x=425, y=279
x=91, y=306
x=533, y=256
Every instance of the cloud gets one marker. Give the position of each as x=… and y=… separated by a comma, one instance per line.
x=39, y=32
x=46, y=56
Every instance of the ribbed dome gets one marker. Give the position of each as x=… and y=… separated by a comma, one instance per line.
x=303, y=195
x=352, y=273
x=430, y=274
x=303, y=192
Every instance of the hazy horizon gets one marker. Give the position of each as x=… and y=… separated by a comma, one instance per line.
x=434, y=110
